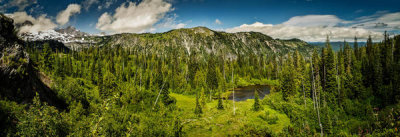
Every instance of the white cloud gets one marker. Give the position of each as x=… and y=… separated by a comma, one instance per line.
x=317, y=27
x=307, y=33
x=132, y=17
x=36, y=9
x=389, y=21
x=370, y=17
x=217, y=21
x=21, y=4
x=104, y=20
x=42, y=23
x=380, y=21
x=314, y=20
x=168, y=22
x=88, y=3
x=106, y=5
x=63, y=16
x=180, y=25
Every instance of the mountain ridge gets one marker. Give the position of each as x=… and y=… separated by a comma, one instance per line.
x=202, y=39
x=198, y=39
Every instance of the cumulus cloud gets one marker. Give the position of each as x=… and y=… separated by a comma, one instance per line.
x=133, y=17
x=390, y=21
x=88, y=3
x=63, y=16
x=217, y=21
x=106, y=4
x=314, y=20
x=380, y=21
x=317, y=27
x=20, y=4
x=307, y=33
x=41, y=23
x=168, y=22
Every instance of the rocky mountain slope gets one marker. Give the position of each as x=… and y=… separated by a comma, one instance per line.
x=70, y=30
x=63, y=35
x=201, y=39
x=20, y=81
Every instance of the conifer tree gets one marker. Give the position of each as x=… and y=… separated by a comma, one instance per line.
x=315, y=72
x=357, y=86
x=193, y=67
x=93, y=69
x=221, y=88
x=46, y=57
x=198, y=110
x=178, y=128
x=396, y=68
x=256, y=105
x=199, y=80
x=203, y=97
x=377, y=73
x=356, y=49
x=220, y=104
x=288, y=86
x=347, y=58
x=367, y=64
x=100, y=77
x=59, y=67
x=330, y=73
x=212, y=80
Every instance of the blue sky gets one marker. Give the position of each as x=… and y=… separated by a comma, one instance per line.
x=310, y=20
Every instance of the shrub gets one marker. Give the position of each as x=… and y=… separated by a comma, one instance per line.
x=270, y=119
x=256, y=130
x=41, y=120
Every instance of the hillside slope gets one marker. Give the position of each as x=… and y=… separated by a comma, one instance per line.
x=200, y=39
x=19, y=79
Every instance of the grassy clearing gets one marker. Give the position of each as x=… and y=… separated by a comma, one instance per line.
x=216, y=122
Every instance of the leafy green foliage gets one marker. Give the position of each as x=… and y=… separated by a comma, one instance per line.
x=41, y=120
x=198, y=110
x=157, y=90
x=256, y=105
x=220, y=103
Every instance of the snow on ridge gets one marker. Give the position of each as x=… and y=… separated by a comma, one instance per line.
x=53, y=35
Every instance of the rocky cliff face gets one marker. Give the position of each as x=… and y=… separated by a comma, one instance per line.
x=70, y=30
x=19, y=81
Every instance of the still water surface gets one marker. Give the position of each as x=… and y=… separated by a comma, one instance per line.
x=247, y=92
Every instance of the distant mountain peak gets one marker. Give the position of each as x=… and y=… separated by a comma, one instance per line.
x=196, y=30
x=65, y=35
x=71, y=30
x=201, y=28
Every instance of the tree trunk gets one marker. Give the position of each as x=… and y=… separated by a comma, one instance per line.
x=233, y=90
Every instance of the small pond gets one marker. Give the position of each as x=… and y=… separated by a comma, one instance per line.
x=247, y=92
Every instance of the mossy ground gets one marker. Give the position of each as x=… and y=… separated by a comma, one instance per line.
x=214, y=122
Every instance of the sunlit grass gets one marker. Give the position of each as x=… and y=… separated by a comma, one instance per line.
x=216, y=122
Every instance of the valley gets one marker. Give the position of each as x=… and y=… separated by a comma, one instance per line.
x=195, y=81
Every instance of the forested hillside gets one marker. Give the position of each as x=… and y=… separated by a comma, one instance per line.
x=126, y=86
x=198, y=39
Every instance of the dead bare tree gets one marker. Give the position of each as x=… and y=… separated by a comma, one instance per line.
x=159, y=94
x=315, y=98
x=233, y=90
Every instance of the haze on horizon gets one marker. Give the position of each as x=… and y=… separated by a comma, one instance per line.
x=309, y=20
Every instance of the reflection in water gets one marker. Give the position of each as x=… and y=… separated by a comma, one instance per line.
x=247, y=92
